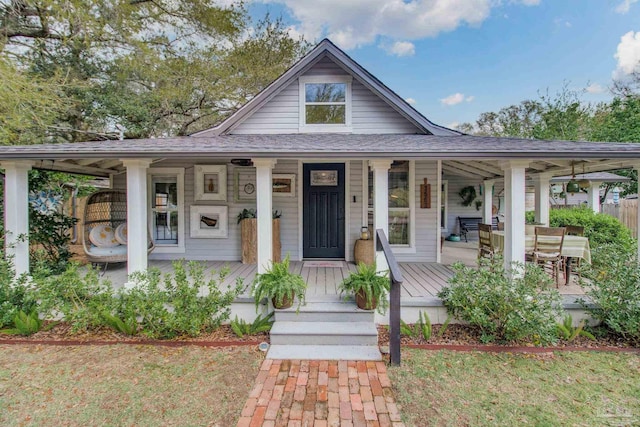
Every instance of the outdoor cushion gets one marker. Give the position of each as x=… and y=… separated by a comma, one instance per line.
x=103, y=236
x=115, y=250
x=121, y=234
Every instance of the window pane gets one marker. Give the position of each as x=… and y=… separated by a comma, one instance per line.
x=326, y=114
x=164, y=202
x=399, y=185
x=325, y=92
x=398, y=227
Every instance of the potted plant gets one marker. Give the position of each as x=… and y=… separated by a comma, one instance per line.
x=247, y=218
x=279, y=285
x=369, y=288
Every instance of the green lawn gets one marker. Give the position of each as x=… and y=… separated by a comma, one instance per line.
x=477, y=389
x=124, y=385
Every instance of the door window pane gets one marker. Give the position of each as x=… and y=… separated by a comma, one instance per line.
x=399, y=203
x=164, y=207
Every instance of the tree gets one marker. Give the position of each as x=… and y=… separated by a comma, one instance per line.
x=140, y=67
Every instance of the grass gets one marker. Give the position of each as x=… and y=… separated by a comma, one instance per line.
x=124, y=385
x=559, y=389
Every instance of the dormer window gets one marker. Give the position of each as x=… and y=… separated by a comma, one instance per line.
x=325, y=103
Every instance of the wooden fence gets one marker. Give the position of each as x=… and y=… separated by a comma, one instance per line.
x=626, y=212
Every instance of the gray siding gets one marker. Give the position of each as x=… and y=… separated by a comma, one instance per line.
x=370, y=114
x=356, y=208
x=454, y=202
x=426, y=232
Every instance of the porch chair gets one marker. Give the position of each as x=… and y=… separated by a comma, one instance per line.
x=104, y=236
x=547, y=249
x=485, y=242
x=574, y=230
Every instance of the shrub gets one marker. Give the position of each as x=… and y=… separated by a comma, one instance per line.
x=260, y=324
x=504, y=309
x=15, y=295
x=614, y=289
x=600, y=229
x=183, y=304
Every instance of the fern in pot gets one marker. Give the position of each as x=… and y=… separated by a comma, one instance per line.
x=279, y=285
x=369, y=288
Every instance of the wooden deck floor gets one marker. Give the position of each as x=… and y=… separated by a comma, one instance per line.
x=420, y=279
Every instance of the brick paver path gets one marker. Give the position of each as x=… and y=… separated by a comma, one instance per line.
x=321, y=393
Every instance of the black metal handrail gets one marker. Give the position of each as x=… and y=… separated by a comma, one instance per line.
x=395, y=276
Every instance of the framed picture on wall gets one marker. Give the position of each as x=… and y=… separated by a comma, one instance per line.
x=244, y=183
x=210, y=182
x=209, y=222
x=284, y=185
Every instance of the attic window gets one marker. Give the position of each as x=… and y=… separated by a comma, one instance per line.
x=325, y=103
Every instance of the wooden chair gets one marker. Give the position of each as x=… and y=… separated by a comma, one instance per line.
x=547, y=249
x=575, y=230
x=485, y=242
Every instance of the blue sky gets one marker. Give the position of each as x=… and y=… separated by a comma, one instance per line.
x=458, y=58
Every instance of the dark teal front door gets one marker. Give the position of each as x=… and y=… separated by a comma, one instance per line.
x=323, y=210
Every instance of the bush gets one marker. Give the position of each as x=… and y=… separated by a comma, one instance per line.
x=600, y=229
x=15, y=295
x=505, y=310
x=177, y=305
x=614, y=290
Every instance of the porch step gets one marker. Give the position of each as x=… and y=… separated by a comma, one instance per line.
x=325, y=311
x=324, y=352
x=324, y=333
x=330, y=330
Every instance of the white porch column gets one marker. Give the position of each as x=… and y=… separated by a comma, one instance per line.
x=137, y=227
x=16, y=213
x=594, y=197
x=541, y=182
x=439, y=203
x=487, y=201
x=514, y=199
x=380, y=170
x=264, y=207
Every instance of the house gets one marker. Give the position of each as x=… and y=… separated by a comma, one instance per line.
x=333, y=149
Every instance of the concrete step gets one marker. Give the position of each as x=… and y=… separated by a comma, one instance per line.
x=324, y=333
x=329, y=311
x=324, y=352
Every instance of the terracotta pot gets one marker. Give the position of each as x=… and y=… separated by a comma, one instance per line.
x=286, y=302
x=361, y=302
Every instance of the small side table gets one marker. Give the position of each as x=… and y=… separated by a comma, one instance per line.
x=363, y=252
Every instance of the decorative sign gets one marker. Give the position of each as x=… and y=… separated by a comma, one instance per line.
x=211, y=182
x=327, y=178
x=425, y=195
x=284, y=185
x=209, y=222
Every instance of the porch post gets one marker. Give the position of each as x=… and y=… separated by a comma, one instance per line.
x=541, y=182
x=594, y=197
x=137, y=227
x=487, y=202
x=380, y=170
x=264, y=206
x=16, y=213
x=439, y=212
x=514, y=198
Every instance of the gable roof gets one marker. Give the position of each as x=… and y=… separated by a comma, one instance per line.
x=327, y=49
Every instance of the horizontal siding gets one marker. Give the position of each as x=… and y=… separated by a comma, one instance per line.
x=454, y=202
x=369, y=113
x=356, y=208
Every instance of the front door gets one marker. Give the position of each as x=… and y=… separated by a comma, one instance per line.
x=323, y=210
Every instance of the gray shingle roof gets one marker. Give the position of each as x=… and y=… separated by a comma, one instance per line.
x=328, y=146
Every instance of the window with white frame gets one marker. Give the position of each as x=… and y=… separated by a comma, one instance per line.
x=325, y=103
x=401, y=201
x=166, y=208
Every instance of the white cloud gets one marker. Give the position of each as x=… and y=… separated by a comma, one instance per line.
x=454, y=99
x=411, y=101
x=594, y=88
x=401, y=49
x=625, y=6
x=628, y=55
x=470, y=98
x=453, y=125
x=356, y=23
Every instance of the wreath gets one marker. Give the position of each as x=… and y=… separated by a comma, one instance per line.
x=468, y=195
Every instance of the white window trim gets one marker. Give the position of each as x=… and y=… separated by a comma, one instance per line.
x=445, y=198
x=303, y=126
x=396, y=249
x=178, y=248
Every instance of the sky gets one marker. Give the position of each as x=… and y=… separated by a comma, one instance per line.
x=454, y=59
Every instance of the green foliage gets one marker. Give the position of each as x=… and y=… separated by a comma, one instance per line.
x=504, y=309
x=49, y=236
x=259, y=325
x=370, y=283
x=183, y=304
x=422, y=328
x=24, y=324
x=127, y=326
x=600, y=229
x=568, y=332
x=613, y=290
x=468, y=195
x=251, y=213
x=279, y=283
x=15, y=294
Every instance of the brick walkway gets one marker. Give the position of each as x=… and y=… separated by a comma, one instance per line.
x=321, y=393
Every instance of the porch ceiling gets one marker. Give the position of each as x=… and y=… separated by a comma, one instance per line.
x=469, y=156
